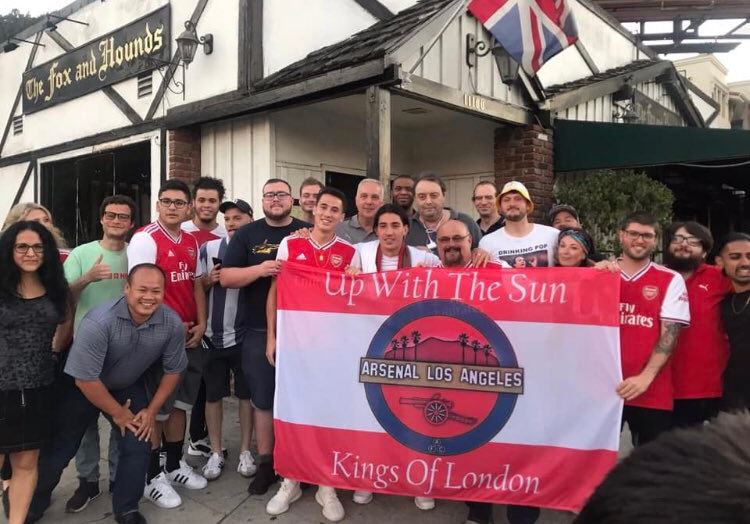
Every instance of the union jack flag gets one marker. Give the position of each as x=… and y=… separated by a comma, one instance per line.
x=532, y=31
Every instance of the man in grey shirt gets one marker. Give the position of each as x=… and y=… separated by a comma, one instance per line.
x=359, y=228
x=116, y=343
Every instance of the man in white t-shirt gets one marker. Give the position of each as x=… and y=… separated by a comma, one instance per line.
x=520, y=243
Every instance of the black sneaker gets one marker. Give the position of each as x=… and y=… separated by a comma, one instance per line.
x=134, y=517
x=265, y=477
x=86, y=492
x=202, y=448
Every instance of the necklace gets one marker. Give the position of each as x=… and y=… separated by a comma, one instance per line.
x=734, y=309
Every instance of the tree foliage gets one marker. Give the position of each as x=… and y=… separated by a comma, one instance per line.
x=605, y=197
x=14, y=22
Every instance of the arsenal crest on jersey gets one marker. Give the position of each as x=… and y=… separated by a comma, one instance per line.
x=650, y=292
x=191, y=252
x=336, y=260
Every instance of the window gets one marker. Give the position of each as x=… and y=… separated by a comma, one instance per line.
x=18, y=125
x=145, y=84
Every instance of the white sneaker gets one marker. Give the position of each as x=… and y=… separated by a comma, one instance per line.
x=424, y=503
x=246, y=467
x=213, y=466
x=288, y=493
x=362, y=497
x=160, y=492
x=199, y=448
x=185, y=476
x=332, y=508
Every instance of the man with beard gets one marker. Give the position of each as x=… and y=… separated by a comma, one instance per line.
x=96, y=272
x=520, y=243
x=208, y=193
x=734, y=260
x=702, y=349
x=402, y=192
x=653, y=309
x=248, y=265
x=308, y=193
x=454, y=246
x=485, y=202
x=429, y=202
x=359, y=228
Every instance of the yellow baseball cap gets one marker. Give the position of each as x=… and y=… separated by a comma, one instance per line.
x=519, y=188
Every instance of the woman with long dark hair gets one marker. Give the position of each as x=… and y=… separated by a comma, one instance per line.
x=34, y=310
x=574, y=245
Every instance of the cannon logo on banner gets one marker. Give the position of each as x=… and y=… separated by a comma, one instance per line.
x=453, y=365
x=119, y=55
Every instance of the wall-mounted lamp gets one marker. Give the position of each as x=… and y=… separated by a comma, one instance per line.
x=12, y=44
x=52, y=26
x=627, y=112
x=188, y=41
x=506, y=66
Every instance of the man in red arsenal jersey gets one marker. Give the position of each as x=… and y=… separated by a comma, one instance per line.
x=653, y=309
x=208, y=194
x=176, y=252
x=325, y=250
x=702, y=349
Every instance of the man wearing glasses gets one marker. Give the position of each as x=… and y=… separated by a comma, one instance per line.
x=702, y=349
x=176, y=252
x=485, y=202
x=97, y=272
x=653, y=309
x=454, y=247
x=249, y=263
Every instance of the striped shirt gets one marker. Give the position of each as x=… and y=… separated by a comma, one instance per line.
x=221, y=327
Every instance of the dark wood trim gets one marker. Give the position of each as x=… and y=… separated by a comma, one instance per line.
x=378, y=135
x=376, y=9
x=99, y=138
x=255, y=26
x=666, y=116
x=163, y=153
x=243, y=43
x=334, y=83
x=24, y=181
x=109, y=91
x=65, y=11
x=167, y=77
x=456, y=100
x=587, y=57
x=36, y=180
x=17, y=100
x=605, y=87
x=677, y=87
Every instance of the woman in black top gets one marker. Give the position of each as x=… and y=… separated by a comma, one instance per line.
x=34, y=309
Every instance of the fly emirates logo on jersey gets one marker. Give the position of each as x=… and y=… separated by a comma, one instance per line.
x=182, y=274
x=629, y=316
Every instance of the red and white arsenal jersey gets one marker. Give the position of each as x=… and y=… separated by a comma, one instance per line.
x=703, y=349
x=201, y=235
x=336, y=254
x=179, y=260
x=647, y=298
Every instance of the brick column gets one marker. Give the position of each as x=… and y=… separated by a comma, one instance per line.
x=184, y=154
x=525, y=154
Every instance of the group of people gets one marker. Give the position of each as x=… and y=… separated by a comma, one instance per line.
x=146, y=331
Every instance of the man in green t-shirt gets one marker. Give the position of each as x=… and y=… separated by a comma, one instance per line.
x=97, y=272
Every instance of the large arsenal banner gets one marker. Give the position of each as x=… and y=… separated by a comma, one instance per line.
x=485, y=385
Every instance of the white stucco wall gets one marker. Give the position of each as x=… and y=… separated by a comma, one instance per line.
x=11, y=177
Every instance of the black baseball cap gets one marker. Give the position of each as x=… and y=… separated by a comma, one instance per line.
x=239, y=204
x=562, y=207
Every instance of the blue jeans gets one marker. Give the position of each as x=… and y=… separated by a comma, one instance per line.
x=73, y=416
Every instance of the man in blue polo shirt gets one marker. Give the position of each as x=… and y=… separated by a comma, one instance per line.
x=116, y=343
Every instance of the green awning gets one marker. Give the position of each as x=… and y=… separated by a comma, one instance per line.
x=581, y=146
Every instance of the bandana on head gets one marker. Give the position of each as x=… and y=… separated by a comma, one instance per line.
x=578, y=237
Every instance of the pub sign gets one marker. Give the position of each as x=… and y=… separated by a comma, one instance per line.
x=114, y=57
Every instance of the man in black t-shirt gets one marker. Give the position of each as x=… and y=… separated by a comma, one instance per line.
x=734, y=260
x=249, y=264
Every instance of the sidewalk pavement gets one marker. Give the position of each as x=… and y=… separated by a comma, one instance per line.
x=226, y=501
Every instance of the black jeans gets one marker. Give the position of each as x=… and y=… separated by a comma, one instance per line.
x=481, y=512
x=645, y=423
x=72, y=416
x=694, y=411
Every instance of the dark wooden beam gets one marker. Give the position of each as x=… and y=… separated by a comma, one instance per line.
x=256, y=41
x=587, y=57
x=108, y=91
x=173, y=64
x=378, y=136
x=19, y=93
x=376, y=9
x=695, y=47
x=24, y=181
x=243, y=46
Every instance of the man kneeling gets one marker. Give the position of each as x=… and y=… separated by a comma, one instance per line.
x=116, y=343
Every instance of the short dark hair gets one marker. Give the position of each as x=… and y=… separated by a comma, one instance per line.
x=390, y=208
x=174, y=184
x=276, y=181
x=336, y=193
x=431, y=177
x=310, y=181
x=734, y=236
x=210, y=183
x=686, y=475
x=640, y=217
x=122, y=200
x=699, y=231
x=408, y=177
x=145, y=265
x=483, y=183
